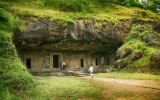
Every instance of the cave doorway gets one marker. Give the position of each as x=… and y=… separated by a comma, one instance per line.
x=82, y=62
x=96, y=61
x=55, y=61
x=28, y=63
x=108, y=61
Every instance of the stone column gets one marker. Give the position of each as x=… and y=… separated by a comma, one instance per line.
x=89, y=59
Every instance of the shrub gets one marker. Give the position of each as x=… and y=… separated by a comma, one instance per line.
x=3, y=16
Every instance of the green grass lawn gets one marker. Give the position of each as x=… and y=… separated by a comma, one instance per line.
x=59, y=88
x=126, y=75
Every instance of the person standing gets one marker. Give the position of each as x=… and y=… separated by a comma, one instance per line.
x=64, y=65
x=91, y=71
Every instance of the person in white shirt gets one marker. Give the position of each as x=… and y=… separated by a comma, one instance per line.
x=91, y=71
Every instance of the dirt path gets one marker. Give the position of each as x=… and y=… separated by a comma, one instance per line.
x=140, y=83
x=126, y=89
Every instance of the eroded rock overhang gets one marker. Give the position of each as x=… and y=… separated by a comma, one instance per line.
x=82, y=35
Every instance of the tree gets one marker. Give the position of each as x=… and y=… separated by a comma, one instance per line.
x=157, y=2
x=145, y=3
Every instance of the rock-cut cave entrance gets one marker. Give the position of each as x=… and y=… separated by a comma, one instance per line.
x=55, y=61
x=28, y=63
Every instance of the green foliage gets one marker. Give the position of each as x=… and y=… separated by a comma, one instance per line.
x=68, y=5
x=123, y=2
x=13, y=73
x=156, y=54
x=18, y=26
x=4, y=5
x=128, y=3
x=5, y=20
x=159, y=35
x=144, y=33
x=16, y=0
x=4, y=38
x=113, y=69
x=3, y=16
x=149, y=4
x=157, y=1
x=9, y=23
x=134, y=44
x=138, y=31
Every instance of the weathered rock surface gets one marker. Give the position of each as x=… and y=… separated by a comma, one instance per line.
x=120, y=65
x=137, y=55
x=151, y=39
x=83, y=35
x=123, y=54
x=155, y=60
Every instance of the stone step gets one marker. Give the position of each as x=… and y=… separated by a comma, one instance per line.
x=48, y=73
x=82, y=74
x=58, y=72
x=79, y=74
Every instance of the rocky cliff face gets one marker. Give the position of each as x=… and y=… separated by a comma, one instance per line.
x=83, y=35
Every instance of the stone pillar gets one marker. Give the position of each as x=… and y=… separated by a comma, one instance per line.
x=89, y=59
x=112, y=59
x=93, y=63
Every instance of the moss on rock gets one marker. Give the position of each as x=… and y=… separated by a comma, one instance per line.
x=144, y=44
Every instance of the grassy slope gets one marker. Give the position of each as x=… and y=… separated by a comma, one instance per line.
x=136, y=44
x=13, y=74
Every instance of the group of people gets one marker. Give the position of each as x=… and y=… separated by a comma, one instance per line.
x=91, y=69
x=63, y=66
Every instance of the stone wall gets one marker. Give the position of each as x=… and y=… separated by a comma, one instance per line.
x=43, y=60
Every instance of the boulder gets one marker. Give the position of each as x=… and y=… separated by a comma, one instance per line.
x=137, y=55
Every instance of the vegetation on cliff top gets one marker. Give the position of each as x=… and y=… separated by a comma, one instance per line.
x=68, y=10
